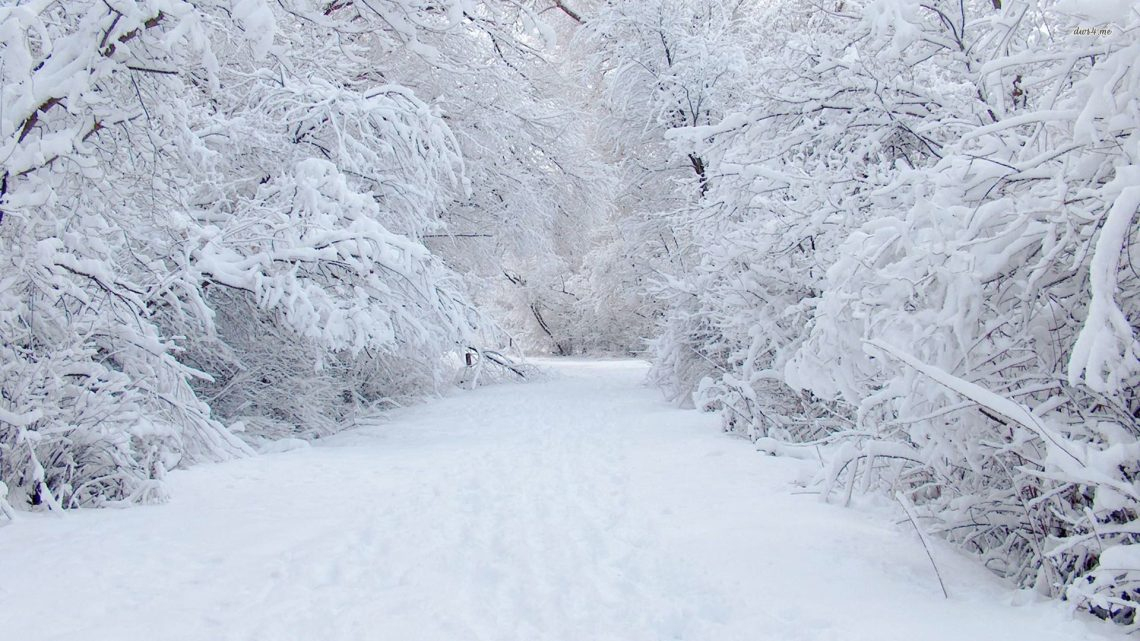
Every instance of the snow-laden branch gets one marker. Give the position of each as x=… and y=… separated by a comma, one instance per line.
x=987, y=399
x=1106, y=355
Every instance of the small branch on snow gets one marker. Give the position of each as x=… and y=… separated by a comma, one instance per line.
x=908, y=507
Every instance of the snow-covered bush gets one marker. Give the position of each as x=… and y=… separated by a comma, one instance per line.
x=918, y=242
x=790, y=171
x=986, y=318
x=212, y=219
x=96, y=405
x=306, y=324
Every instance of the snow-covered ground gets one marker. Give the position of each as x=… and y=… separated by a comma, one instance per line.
x=582, y=508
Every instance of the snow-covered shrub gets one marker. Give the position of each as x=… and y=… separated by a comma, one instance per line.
x=307, y=326
x=988, y=321
x=791, y=172
x=96, y=405
x=918, y=241
x=207, y=216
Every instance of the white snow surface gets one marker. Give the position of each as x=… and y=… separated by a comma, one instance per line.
x=580, y=508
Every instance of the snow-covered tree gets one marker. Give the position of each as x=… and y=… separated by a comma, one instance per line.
x=986, y=317
x=657, y=67
x=213, y=220
x=916, y=241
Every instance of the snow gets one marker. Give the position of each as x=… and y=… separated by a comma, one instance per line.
x=1107, y=352
x=984, y=398
x=1102, y=11
x=581, y=507
x=256, y=20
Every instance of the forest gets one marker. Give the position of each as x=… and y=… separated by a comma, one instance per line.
x=898, y=238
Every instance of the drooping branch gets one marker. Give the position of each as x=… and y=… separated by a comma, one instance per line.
x=29, y=123
x=107, y=51
x=546, y=328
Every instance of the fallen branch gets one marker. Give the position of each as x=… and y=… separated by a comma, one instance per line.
x=908, y=507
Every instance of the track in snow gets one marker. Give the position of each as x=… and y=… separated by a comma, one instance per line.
x=577, y=509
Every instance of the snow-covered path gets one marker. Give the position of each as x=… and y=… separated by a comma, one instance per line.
x=580, y=509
